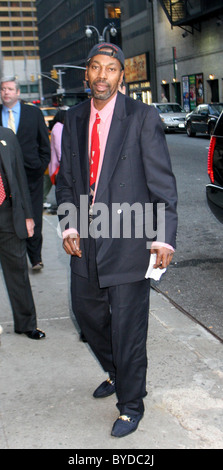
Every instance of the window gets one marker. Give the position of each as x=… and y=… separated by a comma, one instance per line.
x=112, y=10
x=24, y=88
x=34, y=88
x=202, y=109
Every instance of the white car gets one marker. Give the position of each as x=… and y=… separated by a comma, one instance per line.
x=172, y=116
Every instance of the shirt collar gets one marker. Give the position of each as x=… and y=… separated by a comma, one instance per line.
x=105, y=112
x=15, y=108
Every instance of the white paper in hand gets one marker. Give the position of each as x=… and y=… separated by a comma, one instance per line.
x=154, y=273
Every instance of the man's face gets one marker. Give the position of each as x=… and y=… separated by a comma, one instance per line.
x=104, y=75
x=9, y=94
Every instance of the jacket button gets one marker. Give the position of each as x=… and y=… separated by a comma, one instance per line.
x=123, y=157
x=74, y=154
x=74, y=181
x=122, y=185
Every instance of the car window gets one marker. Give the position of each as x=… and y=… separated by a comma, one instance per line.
x=170, y=108
x=202, y=109
x=176, y=108
x=162, y=108
x=216, y=108
x=49, y=112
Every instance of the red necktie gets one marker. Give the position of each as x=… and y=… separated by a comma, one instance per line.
x=2, y=191
x=95, y=152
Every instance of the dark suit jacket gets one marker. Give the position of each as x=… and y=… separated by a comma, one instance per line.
x=136, y=169
x=12, y=160
x=33, y=138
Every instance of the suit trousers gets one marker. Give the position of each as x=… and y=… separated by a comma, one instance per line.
x=34, y=244
x=114, y=321
x=15, y=270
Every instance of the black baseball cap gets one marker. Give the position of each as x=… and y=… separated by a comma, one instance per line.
x=114, y=52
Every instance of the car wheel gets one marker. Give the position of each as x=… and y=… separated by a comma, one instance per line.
x=190, y=133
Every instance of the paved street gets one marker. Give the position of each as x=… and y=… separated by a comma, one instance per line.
x=194, y=280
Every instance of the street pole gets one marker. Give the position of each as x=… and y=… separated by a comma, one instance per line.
x=175, y=71
x=40, y=75
x=66, y=66
x=101, y=37
x=61, y=90
x=40, y=89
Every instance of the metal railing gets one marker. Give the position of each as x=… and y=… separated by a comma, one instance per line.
x=180, y=12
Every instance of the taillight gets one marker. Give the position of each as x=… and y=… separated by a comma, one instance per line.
x=210, y=158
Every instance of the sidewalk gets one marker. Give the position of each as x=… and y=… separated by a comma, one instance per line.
x=46, y=386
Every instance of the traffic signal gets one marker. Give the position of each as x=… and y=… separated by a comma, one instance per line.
x=54, y=73
x=32, y=78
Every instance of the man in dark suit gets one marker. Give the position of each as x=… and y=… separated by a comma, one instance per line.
x=16, y=224
x=133, y=182
x=29, y=125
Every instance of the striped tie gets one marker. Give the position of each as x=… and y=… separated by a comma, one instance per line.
x=11, y=121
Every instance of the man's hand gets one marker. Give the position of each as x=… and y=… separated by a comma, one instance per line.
x=30, y=227
x=71, y=245
x=163, y=256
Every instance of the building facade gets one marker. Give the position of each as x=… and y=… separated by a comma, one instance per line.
x=173, y=47
x=137, y=30
x=63, y=41
x=19, y=45
x=189, y=51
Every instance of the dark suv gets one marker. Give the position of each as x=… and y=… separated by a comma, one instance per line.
x=214, y=190
x=203, y=119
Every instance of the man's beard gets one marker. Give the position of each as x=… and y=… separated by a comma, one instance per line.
x=99, y=94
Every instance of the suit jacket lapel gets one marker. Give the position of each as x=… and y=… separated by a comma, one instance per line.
x=21, y=118
x=116, y=138
x=6, y=160
x=82, y=134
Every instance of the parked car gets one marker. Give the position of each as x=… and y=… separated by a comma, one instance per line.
x=214, y=190
x=203, y=119
x=48, y=113
x=172, y=116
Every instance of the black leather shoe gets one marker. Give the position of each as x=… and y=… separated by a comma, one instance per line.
x=33, y=334
x=104, y=390
x=125, y=425
x=37, y=266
